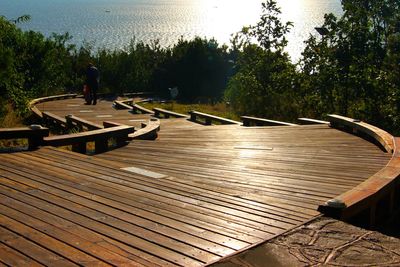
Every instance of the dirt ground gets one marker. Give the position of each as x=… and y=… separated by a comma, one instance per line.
x=322, y=242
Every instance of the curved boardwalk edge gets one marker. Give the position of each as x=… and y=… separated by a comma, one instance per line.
x=36, y=101
x=377, y=197
x=358, y=127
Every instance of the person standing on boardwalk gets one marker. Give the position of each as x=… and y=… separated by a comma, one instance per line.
x=92, y=81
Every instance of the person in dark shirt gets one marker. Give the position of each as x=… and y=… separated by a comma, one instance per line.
x=92, y=81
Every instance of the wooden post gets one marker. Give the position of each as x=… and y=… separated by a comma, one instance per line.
x=192, y=117
x=246, y=122
x=34, y=142
x=35, y=138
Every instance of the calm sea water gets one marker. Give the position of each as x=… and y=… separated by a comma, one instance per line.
x=113, y=23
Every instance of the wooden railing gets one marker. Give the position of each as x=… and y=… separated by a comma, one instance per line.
x=100, y=137
x=49, y=118
x=208, y=118
x=382, y=137
x=167, y=113
x=249, y=121
x=378, y=197
x=147, y=132
x=74, y=121
x=307, y=121
x=36, y=101
x=137, y=108
x=123, y=104
x=34, y=134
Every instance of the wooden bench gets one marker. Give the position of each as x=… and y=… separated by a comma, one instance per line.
x=208, y=118
x=34, y=134
x=307, y=121
x=123, y=104
x=138, y=108
x=248, y=121
x=52, y=119
x=380, y=136
x=100, y=137
x=167, y=113
x=80, y=123
x=147, y=132
x=375, y=198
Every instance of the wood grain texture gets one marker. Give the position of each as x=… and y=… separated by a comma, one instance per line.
x=224, y=188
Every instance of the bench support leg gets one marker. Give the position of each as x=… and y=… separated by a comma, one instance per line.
x=101, y=146
x=80, y=148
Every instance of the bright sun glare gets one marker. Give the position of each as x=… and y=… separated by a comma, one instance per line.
x=227, y=14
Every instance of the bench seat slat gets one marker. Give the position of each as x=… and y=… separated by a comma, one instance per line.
x=209, y=118
x=82, y=137
x=247, y=121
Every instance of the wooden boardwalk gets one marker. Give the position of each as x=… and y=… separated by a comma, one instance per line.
x=194, y=195
x=103, y=111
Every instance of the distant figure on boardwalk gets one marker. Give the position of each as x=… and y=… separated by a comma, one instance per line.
x=92, y=81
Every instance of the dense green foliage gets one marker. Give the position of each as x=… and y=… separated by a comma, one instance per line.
x=352, y=70
x=30, y=64
x=263, y=85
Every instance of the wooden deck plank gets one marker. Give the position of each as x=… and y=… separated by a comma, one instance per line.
x=12, y=257
x=170, y=187
x=56, y=232
x=66, y=231
x=166, y=205
x=58, y=213
x=222, y=187
x=102, y=223
x=178, y=201
x=49, y=251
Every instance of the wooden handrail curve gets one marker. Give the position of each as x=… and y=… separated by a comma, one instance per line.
x=147, y=132
x=358, y=127
x=375, y=198
x=36, y=101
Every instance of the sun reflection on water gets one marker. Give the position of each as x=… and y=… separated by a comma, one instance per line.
x=165, y=20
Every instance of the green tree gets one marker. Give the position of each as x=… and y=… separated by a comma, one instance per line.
x=351, y=69
x=30, y=64
x=199, y=68
x=265, y=82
